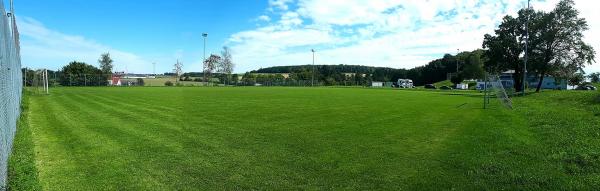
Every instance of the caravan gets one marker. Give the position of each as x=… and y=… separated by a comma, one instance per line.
x=405, y=83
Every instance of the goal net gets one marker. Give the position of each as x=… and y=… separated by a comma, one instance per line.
x=494, y=88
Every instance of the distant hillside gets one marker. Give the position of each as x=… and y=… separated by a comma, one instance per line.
x=470, y=64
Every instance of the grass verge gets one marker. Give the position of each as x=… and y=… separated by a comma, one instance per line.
x=22, y=172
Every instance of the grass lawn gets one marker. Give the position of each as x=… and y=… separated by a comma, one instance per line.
x=185, y=138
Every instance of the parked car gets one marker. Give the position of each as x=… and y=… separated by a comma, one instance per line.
x=430, y=86
x=588, y=87
x=445, y=88
x=592, y=87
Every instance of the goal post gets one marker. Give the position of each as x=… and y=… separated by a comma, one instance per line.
x=494, y=88
x=39, y=83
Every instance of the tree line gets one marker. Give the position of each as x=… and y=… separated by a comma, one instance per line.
x=470, y=66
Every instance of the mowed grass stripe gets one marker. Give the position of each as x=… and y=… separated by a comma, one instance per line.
x=259, y=138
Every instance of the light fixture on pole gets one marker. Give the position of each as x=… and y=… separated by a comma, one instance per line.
x=204, y=35
x=457, y=51
x=313, y=70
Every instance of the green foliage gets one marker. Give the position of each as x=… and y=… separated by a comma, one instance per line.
x=594, y=77
x=82, y=74
x=473, y=65
x=457, y=79
x=576, y=79
x=556, y=45
x=106, y=63
x=168, y=83
x=140, y=82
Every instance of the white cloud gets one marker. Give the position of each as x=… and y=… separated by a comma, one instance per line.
x=42, y=48
x=264, y=18
x=275, y=5
x=391, y=33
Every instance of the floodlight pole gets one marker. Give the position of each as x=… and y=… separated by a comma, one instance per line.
x=205, y=35
x=457, y=51
x=313, y=70
x=526, y=48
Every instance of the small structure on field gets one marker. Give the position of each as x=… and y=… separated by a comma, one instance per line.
x=377, y=84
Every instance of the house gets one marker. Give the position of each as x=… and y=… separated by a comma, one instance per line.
x=115, y=81
x=549, y=82
x=377, y=84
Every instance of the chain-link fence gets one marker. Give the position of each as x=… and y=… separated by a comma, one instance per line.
x=10, y=86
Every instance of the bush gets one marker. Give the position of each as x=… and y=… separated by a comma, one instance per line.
x=457, y=79
x=140, y=82
x=168, y=83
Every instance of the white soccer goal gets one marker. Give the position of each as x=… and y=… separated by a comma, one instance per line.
x=39, y=83
x=495, y=88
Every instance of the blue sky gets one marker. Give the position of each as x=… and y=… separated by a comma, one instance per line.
x=391, y=33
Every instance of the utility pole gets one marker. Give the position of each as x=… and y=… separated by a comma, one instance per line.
x=526, y=48
x=313, y=70
x=204, y=59
x=457, y=51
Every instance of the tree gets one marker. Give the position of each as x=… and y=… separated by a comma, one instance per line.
x=576, y=79
x=177, y=70
x=226, y=65
x=210, y=64
x=82, y=74
x=557, y=45
x=457, y=79
x=504, y=49
x=473, y=65
x=140, y=82
x=594, y=77
x=106, y=63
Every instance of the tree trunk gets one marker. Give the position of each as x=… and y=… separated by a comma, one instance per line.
x=518, y=79
x=539, y=86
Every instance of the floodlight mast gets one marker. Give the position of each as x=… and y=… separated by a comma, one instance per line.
x=457, y=52
x=313, y=68
x=526, y=48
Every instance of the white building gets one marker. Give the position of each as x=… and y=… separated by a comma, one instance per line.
x=377, y=84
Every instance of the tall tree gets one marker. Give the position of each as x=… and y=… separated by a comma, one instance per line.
x=473, y=65
x=210, y=65
x=557, y=46
x=106, y=63
x=178, y=70
x=504, y=49
x=226, y=65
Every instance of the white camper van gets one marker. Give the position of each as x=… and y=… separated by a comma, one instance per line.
x=405, y=83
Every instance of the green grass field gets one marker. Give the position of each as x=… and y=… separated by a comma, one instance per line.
x=185, y=138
